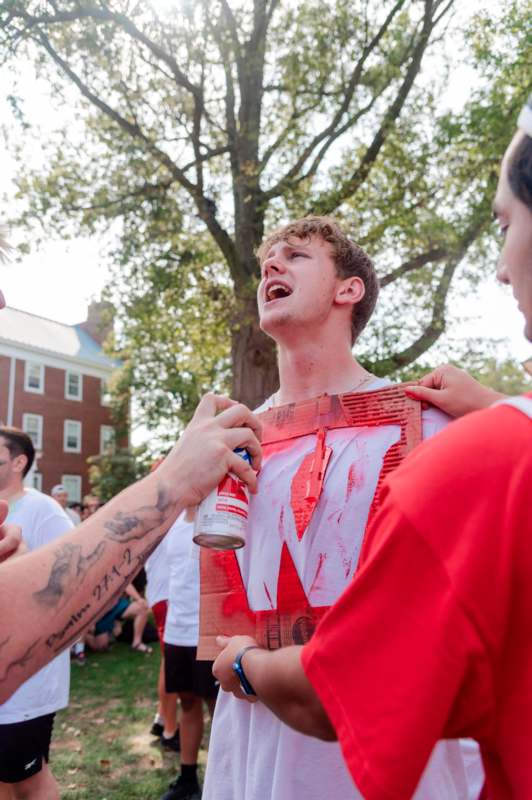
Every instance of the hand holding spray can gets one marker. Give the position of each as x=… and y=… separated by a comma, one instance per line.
x=221, y=518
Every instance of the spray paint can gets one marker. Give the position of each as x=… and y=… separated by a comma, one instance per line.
x=221, y=518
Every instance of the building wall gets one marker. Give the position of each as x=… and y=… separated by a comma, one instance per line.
x=55, y=409
x=5, y=363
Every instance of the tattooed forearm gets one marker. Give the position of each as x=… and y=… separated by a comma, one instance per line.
x=59, y=636
x=127, y=526
x=3, y=644
x=20, y=662
x=119, y=572
x=68, y=571
x=164, y=501
x=104, y=595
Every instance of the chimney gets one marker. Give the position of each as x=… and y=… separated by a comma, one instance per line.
x=99, y=323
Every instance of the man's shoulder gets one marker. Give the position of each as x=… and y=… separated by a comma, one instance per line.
x=41, y=517
x=40, y=503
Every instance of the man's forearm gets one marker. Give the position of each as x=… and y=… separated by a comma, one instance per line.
x=281, y=684
x=49, y=597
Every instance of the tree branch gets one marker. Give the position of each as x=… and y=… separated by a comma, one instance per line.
x=292, y=173
x=206, y=206
x=329, y=201
x=416, y=262
x=105, y=15
x=436, y=326
x=146, y=190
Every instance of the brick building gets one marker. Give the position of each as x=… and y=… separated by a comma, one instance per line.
x=53, y=380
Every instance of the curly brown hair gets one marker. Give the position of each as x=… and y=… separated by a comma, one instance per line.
x=349, y=259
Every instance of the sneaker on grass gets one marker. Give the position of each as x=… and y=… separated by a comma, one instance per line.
x=183, y=790
x=171, y=742
x=157, y=729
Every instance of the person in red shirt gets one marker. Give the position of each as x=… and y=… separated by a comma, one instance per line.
x=446, y=651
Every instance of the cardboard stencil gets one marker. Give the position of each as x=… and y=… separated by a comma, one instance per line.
x=291, y=619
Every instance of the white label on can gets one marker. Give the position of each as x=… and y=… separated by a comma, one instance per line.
x=225, y=510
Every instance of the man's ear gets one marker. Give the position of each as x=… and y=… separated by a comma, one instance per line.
x=350, y=291
x=19, y=463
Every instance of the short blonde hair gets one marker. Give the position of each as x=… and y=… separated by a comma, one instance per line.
x=349, y=259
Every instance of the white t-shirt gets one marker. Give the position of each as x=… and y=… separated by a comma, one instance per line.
x=41, y=520
x=158, y=574
x=182, y=618
x=252, y=754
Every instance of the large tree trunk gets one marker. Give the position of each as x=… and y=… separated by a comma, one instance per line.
x=254, y=357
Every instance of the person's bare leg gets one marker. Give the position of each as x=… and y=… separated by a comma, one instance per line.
x=139, y=612
x=99, y=643
x=190, y=727
x=5, y=791
x=41, y=786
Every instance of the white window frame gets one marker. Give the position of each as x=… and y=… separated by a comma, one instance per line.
x=37, y=443
x=68, y=395
x=27, y=368
x=66, y=448
x=107, y=430
x=34, y=480
x=105, y=394
x=68, y=480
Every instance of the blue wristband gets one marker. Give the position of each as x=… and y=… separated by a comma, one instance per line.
x=238, y=669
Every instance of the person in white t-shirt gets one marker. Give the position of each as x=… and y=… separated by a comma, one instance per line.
x=26, y=719
x=60, y=495
x=164, y=725
x=191, y=680
x=317, y=292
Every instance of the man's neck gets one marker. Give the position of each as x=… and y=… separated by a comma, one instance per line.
x=311, y=369
x=12, y=492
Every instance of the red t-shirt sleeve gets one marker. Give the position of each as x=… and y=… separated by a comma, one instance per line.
x=403, y=658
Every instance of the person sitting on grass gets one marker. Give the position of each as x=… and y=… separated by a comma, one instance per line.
x=109, y=627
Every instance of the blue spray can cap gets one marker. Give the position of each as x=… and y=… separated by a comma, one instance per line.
x=243, y=453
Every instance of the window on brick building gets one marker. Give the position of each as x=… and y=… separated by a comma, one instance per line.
x=34, y=377
x=105, y=394
x=32, y=424
x=107, y=439
x=72, y=436
x=72, y=484
x=73, y=385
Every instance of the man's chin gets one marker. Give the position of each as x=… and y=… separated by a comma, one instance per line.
x=272, y=324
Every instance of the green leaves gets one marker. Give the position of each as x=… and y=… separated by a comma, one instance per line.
x=192, y=132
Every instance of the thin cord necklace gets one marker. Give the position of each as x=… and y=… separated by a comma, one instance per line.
x=274, y=400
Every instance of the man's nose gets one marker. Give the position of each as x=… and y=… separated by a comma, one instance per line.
x=272, y=266
x=502, y=272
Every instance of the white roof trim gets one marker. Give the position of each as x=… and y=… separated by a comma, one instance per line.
x=51, y=359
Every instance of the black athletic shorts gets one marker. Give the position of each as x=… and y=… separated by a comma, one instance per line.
x=182, y=673
x=23, y=745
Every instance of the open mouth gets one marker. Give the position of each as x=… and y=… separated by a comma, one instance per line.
x=276, y=291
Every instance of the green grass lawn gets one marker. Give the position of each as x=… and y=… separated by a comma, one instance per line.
x=101, y=749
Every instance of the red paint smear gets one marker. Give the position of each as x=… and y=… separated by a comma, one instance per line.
x=268, y=595
x=277, y=447
x=354, y=481
x=302, y=507
x=321, y=562
x=291, y=597
x=235, y=599
x=281, y=523
x=307, y=483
